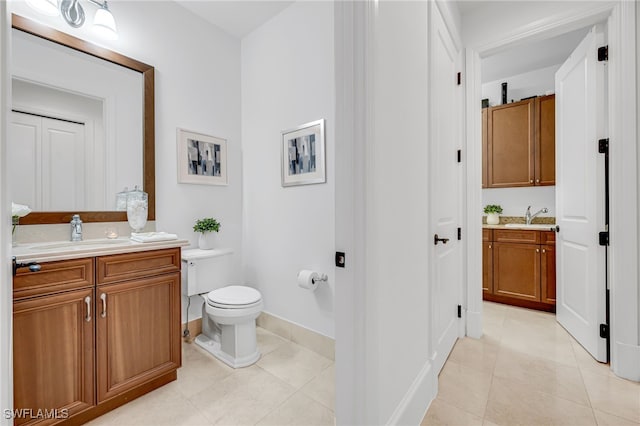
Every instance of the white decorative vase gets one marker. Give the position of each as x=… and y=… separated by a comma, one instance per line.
x=493, y=218
x=206, y=240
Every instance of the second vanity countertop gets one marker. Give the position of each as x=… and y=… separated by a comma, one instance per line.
x=65, y=250
x=544, y=223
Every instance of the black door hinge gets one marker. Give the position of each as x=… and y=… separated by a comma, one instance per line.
x=603, y=238
x=459, y=234
x=604, y=331
x=603, y=146
x=459, y=78
x=341, y=259
x=459, y=311
x=459, y=156
x=603, y=53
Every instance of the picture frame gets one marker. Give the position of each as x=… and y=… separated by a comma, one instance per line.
x=303, y=155
x=202, y=159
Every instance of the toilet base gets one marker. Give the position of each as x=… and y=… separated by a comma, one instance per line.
x=214, y=349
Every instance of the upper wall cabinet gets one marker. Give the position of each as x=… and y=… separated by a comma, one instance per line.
x=519, y=144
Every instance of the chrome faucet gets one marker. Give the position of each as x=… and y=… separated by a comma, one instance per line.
x=528, y=217
x=76, y=228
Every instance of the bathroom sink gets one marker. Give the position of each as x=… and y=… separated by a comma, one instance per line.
x=80, y=244
x=545, y=226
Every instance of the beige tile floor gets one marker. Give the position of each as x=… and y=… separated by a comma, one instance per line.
x=289, y=385
x=527, y=370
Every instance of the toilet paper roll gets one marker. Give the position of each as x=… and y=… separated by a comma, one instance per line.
x=308, y=279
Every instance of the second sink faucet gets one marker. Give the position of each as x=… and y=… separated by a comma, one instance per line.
x=76, y=228
x=528, y=217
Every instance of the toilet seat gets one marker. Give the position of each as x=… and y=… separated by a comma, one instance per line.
x=234, y=297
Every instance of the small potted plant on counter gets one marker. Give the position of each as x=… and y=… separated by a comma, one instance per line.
x=206, y=227
x=493, y=214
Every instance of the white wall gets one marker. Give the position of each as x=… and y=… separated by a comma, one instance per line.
x=533, y=83
x=288, y=80
x=197, y=87
x=514, y=201
x=397, y=210
x=6, y=290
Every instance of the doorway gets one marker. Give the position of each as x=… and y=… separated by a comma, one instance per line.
x=545, y=28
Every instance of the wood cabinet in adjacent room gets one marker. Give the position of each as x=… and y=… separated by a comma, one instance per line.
x=519, y=143
x=510, y=144
x=521, y=266
x=487, y=261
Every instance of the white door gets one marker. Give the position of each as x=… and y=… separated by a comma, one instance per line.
x=445, y=200
x=581, y=268
x=48, y=167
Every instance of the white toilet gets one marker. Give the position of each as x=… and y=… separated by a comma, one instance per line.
x=229, y=312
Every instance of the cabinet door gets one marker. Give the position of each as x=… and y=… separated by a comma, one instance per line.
x=138, y=326
x=516, y=270
x=53, y=353
x=546, y=140
x=548, y=274
x=487, y=267
x=485, y=167
x=511, y=140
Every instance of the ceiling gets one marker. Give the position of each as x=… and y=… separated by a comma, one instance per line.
x=238, y=17
x=531, y=56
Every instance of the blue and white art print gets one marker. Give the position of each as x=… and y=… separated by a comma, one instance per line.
x=303, y=159
x=202, y=159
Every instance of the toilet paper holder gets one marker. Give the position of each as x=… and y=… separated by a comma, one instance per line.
x=322, y=277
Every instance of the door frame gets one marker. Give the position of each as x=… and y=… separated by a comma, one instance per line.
x=623, y=249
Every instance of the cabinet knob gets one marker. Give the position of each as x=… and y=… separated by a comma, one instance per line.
x=490, y=246
x=544, y=251
x=531, y=181
x=537, y=250
x=537, y=180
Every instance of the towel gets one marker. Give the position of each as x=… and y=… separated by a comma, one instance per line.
x=151, y=237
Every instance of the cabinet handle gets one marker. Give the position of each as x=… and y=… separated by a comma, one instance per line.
x=103, y=297
x=87, y=300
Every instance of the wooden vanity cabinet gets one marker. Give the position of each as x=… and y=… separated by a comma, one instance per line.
x=83, y=355
x=138, y=319
x=519, y=143
x=487, y=261
x=522, y=264
x=53, y=341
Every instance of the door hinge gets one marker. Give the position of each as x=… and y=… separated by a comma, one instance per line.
x=459, y=234
x=340, y=259
x=459, y=156
x=603, y=146
x=603, y=238
x=459, y=311
x=459, y=78
x=603, y=53
x=604, y=331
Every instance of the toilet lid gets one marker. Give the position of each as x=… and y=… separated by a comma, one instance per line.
x=234, y=295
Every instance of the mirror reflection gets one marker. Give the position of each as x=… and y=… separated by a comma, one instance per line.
x=75, y=130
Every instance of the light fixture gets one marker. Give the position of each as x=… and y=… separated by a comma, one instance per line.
x=73, y=13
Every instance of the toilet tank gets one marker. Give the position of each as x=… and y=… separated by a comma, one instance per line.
x=205, y=270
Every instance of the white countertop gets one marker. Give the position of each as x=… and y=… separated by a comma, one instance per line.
x=64, y=250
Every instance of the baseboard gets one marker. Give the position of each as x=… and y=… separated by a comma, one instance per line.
x=416, y=401
x=474, y=324
x=312, y=340
x=626, y=363
x=194, y=327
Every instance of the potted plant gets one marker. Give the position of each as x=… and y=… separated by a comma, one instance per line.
x=493, y=213
x=206, y=227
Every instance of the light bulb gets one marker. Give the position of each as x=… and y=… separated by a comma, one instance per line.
x=104, y=24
